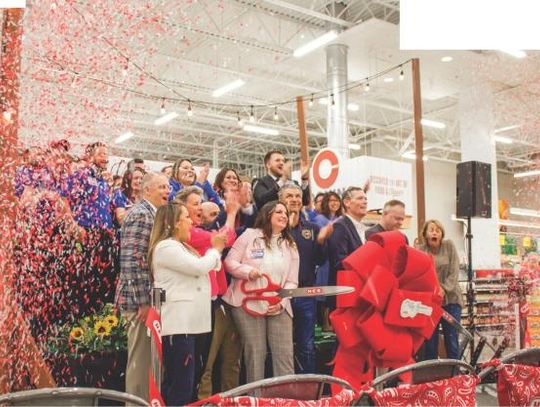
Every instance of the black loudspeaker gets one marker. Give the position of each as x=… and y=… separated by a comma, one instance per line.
x=473, y=190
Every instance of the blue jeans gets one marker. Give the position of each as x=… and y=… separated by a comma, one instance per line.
x=178, y=369
x=450, y=336
x=305, y=317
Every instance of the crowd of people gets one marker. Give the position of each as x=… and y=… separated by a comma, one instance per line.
x=85, y=238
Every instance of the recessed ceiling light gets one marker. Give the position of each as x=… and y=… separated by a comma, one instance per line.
x=389, y=79
x=516, y=53
x=165, y=118
x=316, y=43
x=446, y=59
x=228, y=88
x=433, y=123
x=123, y=137
x=261, y=130
x=504, y=140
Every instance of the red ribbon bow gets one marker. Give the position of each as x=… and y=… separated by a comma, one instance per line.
x=395, y=307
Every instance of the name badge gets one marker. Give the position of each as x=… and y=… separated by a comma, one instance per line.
x=257, y=253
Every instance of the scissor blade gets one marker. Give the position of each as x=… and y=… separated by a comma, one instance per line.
x=326, y=290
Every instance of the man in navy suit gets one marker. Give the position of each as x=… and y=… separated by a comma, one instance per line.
x=348, y=235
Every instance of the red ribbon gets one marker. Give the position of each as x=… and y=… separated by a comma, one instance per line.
x=153, y=323
x=155, y=395
x=386, y=319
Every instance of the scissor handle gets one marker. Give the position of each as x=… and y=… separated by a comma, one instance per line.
x=270, y=286
x=269, y=300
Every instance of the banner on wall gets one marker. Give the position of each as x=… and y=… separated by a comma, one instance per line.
x=388, y=179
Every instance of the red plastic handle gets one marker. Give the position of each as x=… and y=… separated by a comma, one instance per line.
x=270, y=286
x=273, y=300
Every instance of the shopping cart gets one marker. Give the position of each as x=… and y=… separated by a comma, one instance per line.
x=438, y=382
x=517, y=376
x=287, y=390
x=68, y=396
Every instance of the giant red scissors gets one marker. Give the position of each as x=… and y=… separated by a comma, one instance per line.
x=266, y=293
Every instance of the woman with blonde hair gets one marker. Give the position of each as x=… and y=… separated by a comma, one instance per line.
x=176, y=268
x=446, y=259
x=268, y=248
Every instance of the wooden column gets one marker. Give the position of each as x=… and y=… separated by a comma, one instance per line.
x=419, y=146
x=19, y=355
x=304, y=153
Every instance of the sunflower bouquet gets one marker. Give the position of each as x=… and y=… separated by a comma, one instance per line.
x=99, y=333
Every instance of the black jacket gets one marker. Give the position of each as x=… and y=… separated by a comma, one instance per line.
x=266, y=189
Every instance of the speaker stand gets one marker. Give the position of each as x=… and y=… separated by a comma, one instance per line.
x=471, y=291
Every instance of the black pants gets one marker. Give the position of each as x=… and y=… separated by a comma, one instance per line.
x=178, y=369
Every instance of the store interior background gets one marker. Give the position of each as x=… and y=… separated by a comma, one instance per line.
x=81, y=61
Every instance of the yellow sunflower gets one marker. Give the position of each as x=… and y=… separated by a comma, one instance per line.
x=76, y=334
x=102, y=328
x=112, y=320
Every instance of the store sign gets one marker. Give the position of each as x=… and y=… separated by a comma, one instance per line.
x=387, y=179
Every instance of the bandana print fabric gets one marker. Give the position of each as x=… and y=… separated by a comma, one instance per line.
x=343, y=398
x=518, y=385
x=456, y=391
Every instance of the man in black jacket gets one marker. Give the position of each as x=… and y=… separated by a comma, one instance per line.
x=266, y=188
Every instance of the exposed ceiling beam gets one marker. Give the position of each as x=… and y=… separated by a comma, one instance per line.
x=310, y=13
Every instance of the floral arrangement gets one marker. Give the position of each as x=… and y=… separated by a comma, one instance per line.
x=98, y=333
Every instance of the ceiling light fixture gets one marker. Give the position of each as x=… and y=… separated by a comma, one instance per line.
x=353, y=107
x=447, y=59
x=162, y=109
x=252, y=115
x=388, y=80
x=401, y=74
x=353, y=146
x=516, y=53
x=366, y=87
x=123, y=137
x=316, y=43
x=276, y=117
x=507, y=128
x=165, y=118
x=412, y=156
x=261, y=130
x=189, y=110
x=504, y=140
x=525, y=212
x=228, y=88
x=433, y=123
x=527, y=174
x=239, y=119
x=311, y=101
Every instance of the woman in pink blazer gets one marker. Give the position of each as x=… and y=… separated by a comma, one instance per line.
x=268, y=248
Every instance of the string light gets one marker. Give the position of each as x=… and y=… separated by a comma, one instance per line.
x=366, y=88
x=162, y=110
x=276, y=117
x=252, y=115
x=189, y=111
x=239, y=119
x=401, y=74
x=333, y=102
x=311, y=101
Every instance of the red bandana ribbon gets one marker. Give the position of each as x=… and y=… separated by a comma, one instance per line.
x=395, y=307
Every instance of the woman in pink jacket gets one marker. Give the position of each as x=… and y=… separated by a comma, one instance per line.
x=268, y=248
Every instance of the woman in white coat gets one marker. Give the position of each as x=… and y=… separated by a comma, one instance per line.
x=183, y=274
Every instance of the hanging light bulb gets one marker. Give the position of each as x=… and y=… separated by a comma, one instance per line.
x=276, y=117
x=239, y=119
x=252, y=115
x=401, y=74
x=311, y=101
x=162, y=109
x=333, y=101
x=366, y=87
x=189, y=111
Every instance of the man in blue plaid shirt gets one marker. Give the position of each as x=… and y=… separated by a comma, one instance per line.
x=133, y=291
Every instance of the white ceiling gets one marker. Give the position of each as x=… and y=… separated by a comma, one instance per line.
x=73, y=85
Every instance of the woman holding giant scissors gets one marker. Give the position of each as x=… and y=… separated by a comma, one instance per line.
x=264, y=257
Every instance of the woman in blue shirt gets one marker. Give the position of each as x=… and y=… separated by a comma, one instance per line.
x=183, y=175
